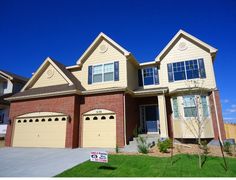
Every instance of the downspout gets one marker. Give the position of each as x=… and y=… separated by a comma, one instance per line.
x=217, y=118
x=124, y=119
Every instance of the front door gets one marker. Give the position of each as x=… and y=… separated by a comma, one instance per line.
x=150, y=118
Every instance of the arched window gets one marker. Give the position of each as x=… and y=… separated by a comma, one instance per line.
x=36, y=120
x=19, y=121
x=103, y=118
x=111, y=117
x=63, y=119
x=87, y=118
x=25, y=121
x=30, y=120
x=95, y=118
x=43, y=120
x=49, y=119
x=56, y=119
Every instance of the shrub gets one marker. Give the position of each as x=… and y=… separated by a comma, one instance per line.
x=117, y=149
x=163, y=146
x=135, y=131
x=204, y=147
x=227, y=148
x=143, y=146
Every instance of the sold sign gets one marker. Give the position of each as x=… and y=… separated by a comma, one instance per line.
x=99, y=156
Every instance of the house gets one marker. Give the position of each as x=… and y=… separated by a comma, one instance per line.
x=9, y=84
x=107, y=94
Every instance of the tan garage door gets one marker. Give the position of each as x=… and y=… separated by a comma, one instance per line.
x=47, y=131
x=99, y=130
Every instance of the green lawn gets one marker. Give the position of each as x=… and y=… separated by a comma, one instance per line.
x=146, y=166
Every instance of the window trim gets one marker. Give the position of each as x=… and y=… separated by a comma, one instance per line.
x=112, y=62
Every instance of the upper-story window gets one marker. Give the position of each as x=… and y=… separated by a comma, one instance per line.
x=148, y=76
x=103, y=72
x=3, y=86
x=186, y=70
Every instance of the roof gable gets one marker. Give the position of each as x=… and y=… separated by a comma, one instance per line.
x=189, y=37
x=11, y=76
x=96, y=42
x=52, y=67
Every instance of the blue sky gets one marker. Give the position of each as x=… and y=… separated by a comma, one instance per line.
x=31, y=30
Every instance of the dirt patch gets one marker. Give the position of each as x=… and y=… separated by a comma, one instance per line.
x=2, y=143
x=186, y=149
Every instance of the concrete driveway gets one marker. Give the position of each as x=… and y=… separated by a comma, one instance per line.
x=40, y=162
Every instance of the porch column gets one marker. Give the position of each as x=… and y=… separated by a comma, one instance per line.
x=163, y=116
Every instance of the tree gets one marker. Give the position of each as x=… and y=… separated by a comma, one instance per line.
x=195, y=111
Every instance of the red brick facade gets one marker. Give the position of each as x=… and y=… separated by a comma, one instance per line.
x=110, y=101
x=213, y=115
x=67, y=105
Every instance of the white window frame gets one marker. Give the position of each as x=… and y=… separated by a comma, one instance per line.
x=197, y=108
x=103, y=72
x=153, y=76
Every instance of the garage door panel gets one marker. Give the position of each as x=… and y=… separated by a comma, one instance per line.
x=100, y=132
x=40, y=134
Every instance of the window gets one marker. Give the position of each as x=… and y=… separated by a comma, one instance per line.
x=148, y=76
x=189, y=106
x=111, y=117
x=103, y=72
x=97, y=73
x=19, y=121
x=175, y=107
x=87, y=118
x=108, y=72
x=204, y=106
x=30, y=120
x=49, y=119
x=63, y=119
x=25, y=121
x=179, y=71
x=56, y=119
x=186, y=70
x=36, y=120
x=95, y=118
x=43, y=120
x=103, y=118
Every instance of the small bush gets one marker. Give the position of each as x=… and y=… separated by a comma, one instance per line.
x=204, y=147
x=163, y=146
x=227, y=148
x=117, y=149
x=143, y=146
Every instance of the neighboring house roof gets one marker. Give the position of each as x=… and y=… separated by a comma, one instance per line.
x=188, y=36
x=69, y=77
x=98, y=39
x=12, y=76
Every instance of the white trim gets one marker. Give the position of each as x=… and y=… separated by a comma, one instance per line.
x=181, y=33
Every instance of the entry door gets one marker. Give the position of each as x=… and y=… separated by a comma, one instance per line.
x=152, y=118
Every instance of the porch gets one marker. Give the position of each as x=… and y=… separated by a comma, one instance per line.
x=148, y=115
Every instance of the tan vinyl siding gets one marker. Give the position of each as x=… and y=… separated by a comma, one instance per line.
x=44, y=80
x=96, y=57
x=192, y=52
x=132, y=76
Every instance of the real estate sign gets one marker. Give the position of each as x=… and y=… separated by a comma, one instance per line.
x=99, y=156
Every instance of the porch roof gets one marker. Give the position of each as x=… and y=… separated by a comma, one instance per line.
x=150, y=92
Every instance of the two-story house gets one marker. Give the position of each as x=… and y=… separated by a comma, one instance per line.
x=9, y=84
x=101, y=100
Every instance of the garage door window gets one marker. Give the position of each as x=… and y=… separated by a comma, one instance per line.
x=43, y=120
x=30, y=120
x=111, y=117
x=36, y=120
x=87, y=118
x=103, y=118
x=49, y=119
x=63, y=119
x=19, y=121
x=56, y=119
x=95, y=118
x=25, y=121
